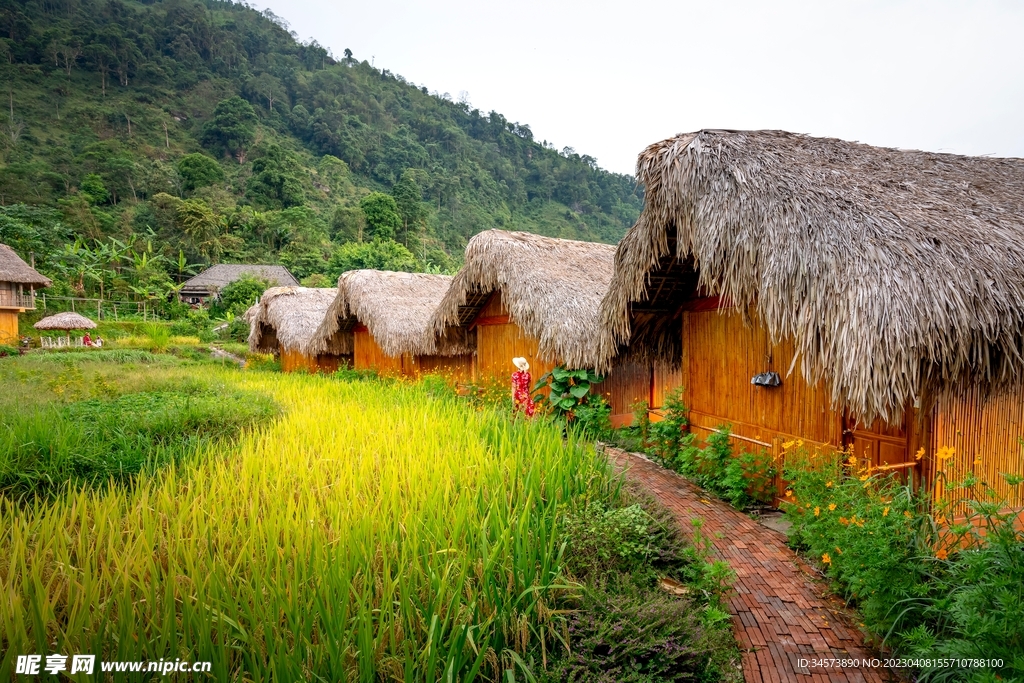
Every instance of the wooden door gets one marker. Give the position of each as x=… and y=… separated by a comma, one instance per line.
x=878, y=444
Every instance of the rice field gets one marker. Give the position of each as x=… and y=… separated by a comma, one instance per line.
x=372, y=532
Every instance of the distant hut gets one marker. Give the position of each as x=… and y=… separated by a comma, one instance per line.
x=208, y=284
x=64, y=322
x=538, y=298
x=384, y=316
x=883, y=288
x=18, y=282
x=283, y=322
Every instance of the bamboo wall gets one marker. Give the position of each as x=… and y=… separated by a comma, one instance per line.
x=9, y=327
x=498, y=341
x=663, y=381
x=367, y=355
x=985, y=435
x=720, y=356
x=293, y=360
x=458, y=368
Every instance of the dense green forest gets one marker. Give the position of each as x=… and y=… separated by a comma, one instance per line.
x=146, y=139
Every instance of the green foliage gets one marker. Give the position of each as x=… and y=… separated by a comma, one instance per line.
x=381, y=212
x=88, y=432
x=198, y=170
x=93, y=189
x=232, y=128
x=669, y=435
x=276, y=179
x=238, y=296
x=930, y=585
x=159, y=337
x=379, y=254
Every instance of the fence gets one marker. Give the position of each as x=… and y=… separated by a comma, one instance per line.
x=105, y=308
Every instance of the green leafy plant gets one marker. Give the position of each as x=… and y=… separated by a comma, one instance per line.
x=668, y=435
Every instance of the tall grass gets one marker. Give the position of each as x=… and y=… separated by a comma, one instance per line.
x=372, y=533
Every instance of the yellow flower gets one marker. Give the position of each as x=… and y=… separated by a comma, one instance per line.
x=826, y=559
x=945, y=453
x=787, y=445
x=863, y=477
x=941, y=554
x=906, y=513
x=789, y=493
x=977, y=461
x=828, y=485
x=885, y=512
x=831, y=506
x=844, y=521
x=919, y=454
x=838, y=550
x=852, y=460
x=817, y=510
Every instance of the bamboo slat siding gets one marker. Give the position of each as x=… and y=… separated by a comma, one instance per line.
x=459, y=368
x=292, y=360
x=627, y=384
x=8, y=327
x=367, y=355
x=720, y=356
x=665, y=379
x=985, y=436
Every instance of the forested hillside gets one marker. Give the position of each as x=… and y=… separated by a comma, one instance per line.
x=146, y=139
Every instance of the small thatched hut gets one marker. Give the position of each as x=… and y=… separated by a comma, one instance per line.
x=200, y=288
x=18, y=281
x=879, y=284
x=384, y=317
x=539, y=298
x=283, y=322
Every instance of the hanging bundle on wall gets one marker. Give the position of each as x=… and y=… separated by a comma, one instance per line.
x=766, y=379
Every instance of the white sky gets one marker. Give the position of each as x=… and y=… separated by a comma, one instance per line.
x=610, y=78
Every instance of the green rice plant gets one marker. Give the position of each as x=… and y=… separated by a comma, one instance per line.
x=371, y=533
x=159, y=336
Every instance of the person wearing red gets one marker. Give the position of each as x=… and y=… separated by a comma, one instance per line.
x=521, y=387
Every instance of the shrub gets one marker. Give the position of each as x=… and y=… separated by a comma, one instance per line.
x=927, y=584
x=669, y=435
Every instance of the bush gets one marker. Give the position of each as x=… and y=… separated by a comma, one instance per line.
x=669, y=434
x=927, y=584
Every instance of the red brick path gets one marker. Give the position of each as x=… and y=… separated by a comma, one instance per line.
x=778, y=612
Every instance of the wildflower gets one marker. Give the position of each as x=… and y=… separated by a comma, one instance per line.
x=941, y=554
x=864, y=477
x=839, y=550
x=977, y=461
x=906, y=513
x=844, y=521
x=789, y=493
x=885, y=512
x=817, y=511
x=826, y=559
x=828, y=484
x=831, y=507
x=919, y=454
x=852, y=460
x=787, y=445
x=945, y=453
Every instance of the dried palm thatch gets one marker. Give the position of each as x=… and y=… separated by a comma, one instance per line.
x=394, y=307
x=287, y=317
x=897, y=274
x=551, y=287
x=14, y=269
x=65, y=321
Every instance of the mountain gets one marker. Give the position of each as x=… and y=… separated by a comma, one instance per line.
x=199, y=132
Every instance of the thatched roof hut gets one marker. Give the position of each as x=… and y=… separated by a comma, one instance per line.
x=395, y=308
x=895, y=273
x=14, y=269
x=551, y=287
x=287, y=318
x=65, y=321
x=216, y=278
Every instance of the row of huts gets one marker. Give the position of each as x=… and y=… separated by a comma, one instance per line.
x=796, y=288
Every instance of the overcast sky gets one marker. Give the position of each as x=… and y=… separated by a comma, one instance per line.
x=609, y=78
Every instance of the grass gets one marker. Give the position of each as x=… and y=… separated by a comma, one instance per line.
x=376, y=531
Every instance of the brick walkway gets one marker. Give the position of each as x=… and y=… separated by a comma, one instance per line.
x=778, y=613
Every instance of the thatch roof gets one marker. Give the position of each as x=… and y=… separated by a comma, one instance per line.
x=394, y=307
x=13, y=269
x=895, y=273
x=215, y=278
x=552, y=289
x=65, y=321
x=287, y=317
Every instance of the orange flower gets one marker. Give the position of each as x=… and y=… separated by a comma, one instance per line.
x=885, y=512
x=839, y=550
x=789, y=493
x=906, y=513
x=817, y=510
x=828, y=485
x=941, y=554
x=831, y=507
x=919, y=454
x=945, y=453
x=826, y=559
x=844, y=521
